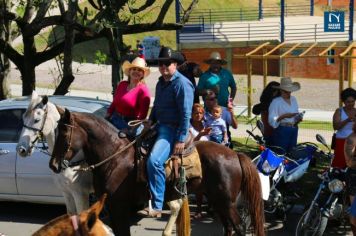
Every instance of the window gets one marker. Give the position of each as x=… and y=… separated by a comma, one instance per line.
x=330, y=60
x=10, y=125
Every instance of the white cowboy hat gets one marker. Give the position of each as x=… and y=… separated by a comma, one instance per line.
x=287, y=85
x=136, y=63
x=215, y=57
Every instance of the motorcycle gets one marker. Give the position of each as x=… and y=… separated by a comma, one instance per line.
x=279, y=171
x=328, y=203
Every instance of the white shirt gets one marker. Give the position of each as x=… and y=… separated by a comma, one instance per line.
x=195, y=133
x=279, y=107
x=345, y=131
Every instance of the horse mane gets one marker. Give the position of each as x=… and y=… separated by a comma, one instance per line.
x=98, y=122
x=52, y=225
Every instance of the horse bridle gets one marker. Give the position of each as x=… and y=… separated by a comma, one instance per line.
x=62, y=161
x=39, y=132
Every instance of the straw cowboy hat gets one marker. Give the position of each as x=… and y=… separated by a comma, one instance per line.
x=215, y=57
x=136, y=63
x=167, y=54
x=288, y=85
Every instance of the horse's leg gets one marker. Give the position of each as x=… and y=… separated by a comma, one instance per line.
x=120, y=217
x=81, y=189
x=174, y=206
x=225, y=223
x=235, y=219
x=68, y=199
x=81, y=198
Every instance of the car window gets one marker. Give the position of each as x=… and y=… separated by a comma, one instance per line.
x=10, y=124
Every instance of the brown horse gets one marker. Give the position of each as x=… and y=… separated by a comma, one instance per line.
x=224, y=173
x=87, y=223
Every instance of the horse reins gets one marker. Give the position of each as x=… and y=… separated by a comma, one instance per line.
x=92, y=167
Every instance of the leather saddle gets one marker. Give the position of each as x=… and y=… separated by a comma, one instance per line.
x=144, y=145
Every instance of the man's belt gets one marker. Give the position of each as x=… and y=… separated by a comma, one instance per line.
x=288, y=124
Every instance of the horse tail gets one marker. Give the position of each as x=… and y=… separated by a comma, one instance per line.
x=251, y=191
x=183, y=220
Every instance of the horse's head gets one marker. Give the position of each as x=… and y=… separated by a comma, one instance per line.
x=86, y=223
x=69, y=141
x=39, y=120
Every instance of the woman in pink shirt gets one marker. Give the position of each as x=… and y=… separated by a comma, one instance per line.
x=132, y=98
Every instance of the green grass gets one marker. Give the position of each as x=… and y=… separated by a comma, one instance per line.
x=306, y=124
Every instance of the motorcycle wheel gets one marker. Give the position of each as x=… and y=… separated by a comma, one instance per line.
x=311, y=228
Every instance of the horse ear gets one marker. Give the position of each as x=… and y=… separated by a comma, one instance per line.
x=98, y=206
x=66, y=116
x=93, y=212
x=91, y=220
x=34, y=94
x=44, y=100
x=60, y=110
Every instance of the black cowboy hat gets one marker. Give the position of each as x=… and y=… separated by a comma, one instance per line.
x=167, y=54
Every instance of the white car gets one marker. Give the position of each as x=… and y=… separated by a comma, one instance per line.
x=30, y=179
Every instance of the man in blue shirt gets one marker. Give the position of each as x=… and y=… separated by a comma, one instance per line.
x=172, y=110
x=217, y=79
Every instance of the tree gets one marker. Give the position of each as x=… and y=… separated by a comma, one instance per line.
x=5, y=35
x=112, y=19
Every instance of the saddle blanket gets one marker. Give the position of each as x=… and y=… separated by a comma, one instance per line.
x=191, y=164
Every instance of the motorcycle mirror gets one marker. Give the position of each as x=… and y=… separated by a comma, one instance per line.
x=260, y=125
x=321, y=140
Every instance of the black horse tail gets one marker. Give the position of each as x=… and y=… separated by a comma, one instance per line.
x=252, y=193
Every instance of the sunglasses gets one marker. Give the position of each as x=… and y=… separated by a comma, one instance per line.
x=166, y=63
x=210, y=99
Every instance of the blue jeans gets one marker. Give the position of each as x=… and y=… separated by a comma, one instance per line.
x=285, y=137
x=155, y=164
x=217, y=138
x=120, y=123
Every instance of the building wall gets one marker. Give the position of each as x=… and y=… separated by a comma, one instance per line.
x=335, y=3
x=313, y=67
x=238, y=66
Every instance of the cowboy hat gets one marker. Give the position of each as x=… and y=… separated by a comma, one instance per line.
x=215, y=57
x=167, y=54
x=136, y=63
x=287, y=85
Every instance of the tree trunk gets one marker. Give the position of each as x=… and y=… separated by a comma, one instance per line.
x=115, y=43
x=4, y=61
x=28, y=74
x=68, y=77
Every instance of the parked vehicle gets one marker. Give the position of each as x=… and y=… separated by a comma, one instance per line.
x=328, y=203
x=30, y=179
x=279, y=173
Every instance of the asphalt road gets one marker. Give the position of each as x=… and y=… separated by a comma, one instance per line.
x=23, y=219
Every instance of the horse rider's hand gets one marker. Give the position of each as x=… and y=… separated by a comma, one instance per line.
x=178, y=148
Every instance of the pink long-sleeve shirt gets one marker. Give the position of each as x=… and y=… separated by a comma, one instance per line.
x=134, y=103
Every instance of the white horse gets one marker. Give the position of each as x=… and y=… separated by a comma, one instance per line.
x=40, y=119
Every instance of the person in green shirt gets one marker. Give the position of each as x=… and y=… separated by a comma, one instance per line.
x=217, y=79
